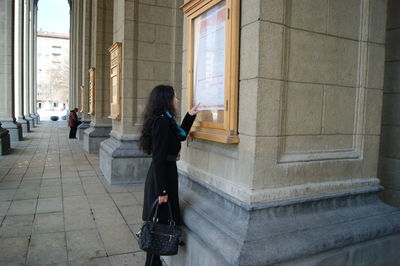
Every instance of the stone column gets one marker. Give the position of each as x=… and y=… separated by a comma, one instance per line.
x=31, y=62
x=18, y=65
x=35, y=113
x=101, y=39
x=78, y=53
x=25, y=62
x=71, y=53
x=85, y=65
x=389, y=163
x=6, y=79
x=150, y=37
x=301, y=187
x=7, y=89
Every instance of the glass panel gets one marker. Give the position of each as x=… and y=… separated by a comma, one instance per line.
x=209, y=63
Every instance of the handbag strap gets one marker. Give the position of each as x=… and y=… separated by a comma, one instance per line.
x=154, y=209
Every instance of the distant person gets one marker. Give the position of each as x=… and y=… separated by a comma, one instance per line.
x=73, y=123
x=161, y=137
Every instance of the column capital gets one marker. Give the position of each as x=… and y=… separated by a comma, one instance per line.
x=70, y=4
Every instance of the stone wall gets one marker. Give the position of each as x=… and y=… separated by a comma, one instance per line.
x=310, y=94
x=389, y=170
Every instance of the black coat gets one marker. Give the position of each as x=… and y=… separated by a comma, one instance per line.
x=162, y=177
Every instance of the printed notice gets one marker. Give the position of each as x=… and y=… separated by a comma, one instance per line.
x=209, y=58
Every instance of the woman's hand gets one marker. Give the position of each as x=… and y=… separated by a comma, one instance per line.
x=194, y=110
x=162, y=199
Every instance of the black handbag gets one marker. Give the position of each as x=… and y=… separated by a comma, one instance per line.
x=159, y=239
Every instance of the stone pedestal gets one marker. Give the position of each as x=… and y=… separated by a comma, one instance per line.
x=14, y=129
x=4, y=141
x=31, y=121
x=330, y=229
x=24, y=124
x=122, y=162
x=37, y=117
x=81, y=128
x=93, y=136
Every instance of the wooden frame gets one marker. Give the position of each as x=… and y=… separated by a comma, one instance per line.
x=115, y=80
x=82, y=99
x=223, y=131
x=92, y=78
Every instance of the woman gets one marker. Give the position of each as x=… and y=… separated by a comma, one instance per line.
x=161, y=137
x=73, y=123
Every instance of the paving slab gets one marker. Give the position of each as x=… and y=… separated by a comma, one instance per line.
x=48, y=223
x=26, y=193
x=49, y=248
x=139, y=195
x=92, y=262
x=109, y=216
x=76, y=203
x=94, y=189
x=132, y=214
x=21, y=207
x=13, y=250
x=72, y=190
x=90, y=180
x=100, y=201
x=50, y=192
x=50, y=182
x=84, y=244
x=4, y=205
x=7, y=194
x=118, y=239
x=124, y=199
x=14, y=226
x=130, y=259
x=49, y=205
x=79, y=220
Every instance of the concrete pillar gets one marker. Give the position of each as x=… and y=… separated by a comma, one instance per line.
x=7, y=89
x=101, y=39
x=389, y=163
x=301, y=187
x=32, y=56
x=71, y=55
x=73, y=52
x=35, y=113
x=85, y=40
x=18, y=65
x=25, y=62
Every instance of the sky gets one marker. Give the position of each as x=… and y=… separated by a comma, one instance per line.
x=53, y=16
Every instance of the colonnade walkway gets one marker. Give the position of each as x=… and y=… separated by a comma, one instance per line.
x=56, y=209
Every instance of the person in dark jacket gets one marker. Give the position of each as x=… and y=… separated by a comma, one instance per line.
x=73, y=123
x=161, y=137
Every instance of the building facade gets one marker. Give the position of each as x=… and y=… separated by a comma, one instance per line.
x=53, y=71
x=317, y=152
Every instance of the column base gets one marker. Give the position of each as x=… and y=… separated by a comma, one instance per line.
x=121, y=161
x=346, y=228
x=14, y=130
x=30, y=120
x=93, y=136
x=5, y=145
x=82, y=127
x=32, y=116
x=25, y=124
x=37, y=118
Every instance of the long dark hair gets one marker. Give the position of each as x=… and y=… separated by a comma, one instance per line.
x=160, y=100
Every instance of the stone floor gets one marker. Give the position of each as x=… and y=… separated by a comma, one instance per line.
x=55, y=208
